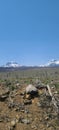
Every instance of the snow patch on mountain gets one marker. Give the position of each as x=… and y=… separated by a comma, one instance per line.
x=12, y=64
x=52, y=63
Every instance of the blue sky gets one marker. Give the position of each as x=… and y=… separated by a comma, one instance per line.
x=29, y=31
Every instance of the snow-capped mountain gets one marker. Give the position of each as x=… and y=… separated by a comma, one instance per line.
x=53, y=63
x=12, y=64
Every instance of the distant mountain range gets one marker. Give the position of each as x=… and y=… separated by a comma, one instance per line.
x=11, y=64
x=53, y=63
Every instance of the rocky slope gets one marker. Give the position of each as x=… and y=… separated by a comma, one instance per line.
x=28, y=108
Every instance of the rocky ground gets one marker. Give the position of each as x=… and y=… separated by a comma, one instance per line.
x=28, y=108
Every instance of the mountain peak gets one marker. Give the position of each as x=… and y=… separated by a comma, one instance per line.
x=12, y=64
x=52, y=63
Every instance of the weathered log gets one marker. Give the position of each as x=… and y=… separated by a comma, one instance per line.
x=53, y=99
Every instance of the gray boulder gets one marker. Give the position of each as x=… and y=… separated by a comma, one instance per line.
x=30, y=89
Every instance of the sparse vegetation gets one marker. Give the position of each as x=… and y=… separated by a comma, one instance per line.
x=18, y=110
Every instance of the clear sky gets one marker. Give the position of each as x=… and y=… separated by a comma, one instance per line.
x=29, y=31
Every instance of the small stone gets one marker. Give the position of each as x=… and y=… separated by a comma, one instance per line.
x=26, y=102
x=38, y=104
x=27, y=96
x=48, y=125
x=34, y=127
x=26, y=111
x=46, y=118
x=1, y=120
x=13, y=123
x=17, y=118
x=55, y=92
x=25, y=121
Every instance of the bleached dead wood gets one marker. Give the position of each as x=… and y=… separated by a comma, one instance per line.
x=53, y=99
